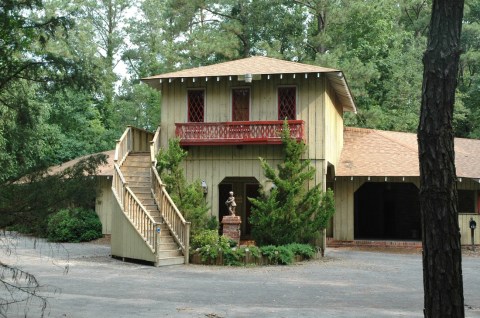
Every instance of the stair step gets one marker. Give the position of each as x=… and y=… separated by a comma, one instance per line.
x=151, y=207
x=178, y=260
x=140, y=153
x=139, y=183
x=169, y=253
x=129, y=179
x=144, y=196
x=138, y=190
x=148, y=202
x=135, y=173
x=167, y=240
x=136, y=164
x=134, y=169
x=168, y=246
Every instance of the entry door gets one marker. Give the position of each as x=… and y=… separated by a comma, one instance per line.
x=240, y=104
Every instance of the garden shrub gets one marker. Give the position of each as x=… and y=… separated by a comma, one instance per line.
x=305, y=250
x=74, y=225
x=205, y=237
x=281, y=255
x=234, y=256
x=209, y=244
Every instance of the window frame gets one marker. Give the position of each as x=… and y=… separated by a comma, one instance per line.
x=204, y=104
x=296, y=100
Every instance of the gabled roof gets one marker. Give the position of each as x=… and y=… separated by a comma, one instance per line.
x=261, y=65
x=369, y=152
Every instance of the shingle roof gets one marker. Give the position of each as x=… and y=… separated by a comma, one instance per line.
x=250, y=65
x=261, y=65
x=103, y=170
x=369, y=152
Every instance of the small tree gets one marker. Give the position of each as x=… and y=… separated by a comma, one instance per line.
x=290, y=213
x=188, y=197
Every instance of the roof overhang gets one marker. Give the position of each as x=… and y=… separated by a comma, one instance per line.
x=260, y=67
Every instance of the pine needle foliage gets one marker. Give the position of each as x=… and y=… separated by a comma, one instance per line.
x=290, y=212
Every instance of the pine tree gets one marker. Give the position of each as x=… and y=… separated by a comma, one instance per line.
x=290, y=212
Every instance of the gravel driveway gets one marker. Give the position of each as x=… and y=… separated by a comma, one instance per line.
x=83, y=281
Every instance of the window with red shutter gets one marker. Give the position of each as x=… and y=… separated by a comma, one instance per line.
x=287, y=103
x=196, y=106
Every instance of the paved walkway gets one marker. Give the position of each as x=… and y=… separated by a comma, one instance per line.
x=345, y=283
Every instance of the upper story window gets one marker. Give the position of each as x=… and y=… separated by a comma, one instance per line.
x=240, y=104
x=196, y=105
x=287, y=103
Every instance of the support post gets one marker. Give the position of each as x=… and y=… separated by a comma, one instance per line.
x=231, y=227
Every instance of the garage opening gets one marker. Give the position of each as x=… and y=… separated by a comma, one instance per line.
x=387, y=211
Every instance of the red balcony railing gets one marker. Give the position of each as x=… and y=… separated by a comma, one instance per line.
x=236, y=132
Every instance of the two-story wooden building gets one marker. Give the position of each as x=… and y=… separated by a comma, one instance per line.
x=228, y=115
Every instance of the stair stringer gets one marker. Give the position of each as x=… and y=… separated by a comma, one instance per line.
x=126, y=241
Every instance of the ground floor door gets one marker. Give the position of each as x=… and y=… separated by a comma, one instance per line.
x=387, y=210
x=243, y=188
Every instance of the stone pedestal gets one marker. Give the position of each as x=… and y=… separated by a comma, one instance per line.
x=231, y=227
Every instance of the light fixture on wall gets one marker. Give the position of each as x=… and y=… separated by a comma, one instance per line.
x=273, y=187
x=248, y=78
x=204, y=188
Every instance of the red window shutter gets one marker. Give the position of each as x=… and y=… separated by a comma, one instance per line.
x=196, y=106
x=287, y=103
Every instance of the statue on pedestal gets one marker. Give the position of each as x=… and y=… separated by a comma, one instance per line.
x=231, y=203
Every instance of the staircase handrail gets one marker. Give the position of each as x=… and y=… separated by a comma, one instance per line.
x=143, y=223
x=133, y=139
x=172, y=217
x=155, y=146
x=119, y=184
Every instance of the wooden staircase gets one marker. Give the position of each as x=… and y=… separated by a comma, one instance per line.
x=145, y=202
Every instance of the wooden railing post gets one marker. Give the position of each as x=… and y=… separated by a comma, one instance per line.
x=187, y=243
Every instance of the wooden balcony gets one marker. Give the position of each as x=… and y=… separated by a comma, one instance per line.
x=237, y=132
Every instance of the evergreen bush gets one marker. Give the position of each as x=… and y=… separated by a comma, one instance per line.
x=290, y=212
x=74, y=225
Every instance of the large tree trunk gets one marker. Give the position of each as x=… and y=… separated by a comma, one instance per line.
x=442, y=258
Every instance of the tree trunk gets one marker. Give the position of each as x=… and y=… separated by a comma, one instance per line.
x=442, y=258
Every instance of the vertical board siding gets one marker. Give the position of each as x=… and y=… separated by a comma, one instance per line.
x=333, y=127
x=104, y=202
x=126, y=242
